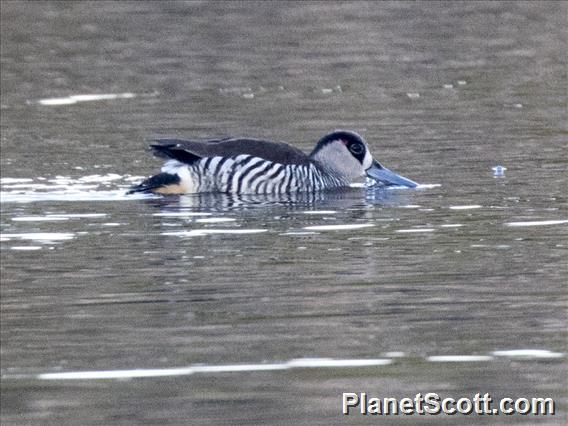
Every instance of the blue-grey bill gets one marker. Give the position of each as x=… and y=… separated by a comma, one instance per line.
x=388, y=178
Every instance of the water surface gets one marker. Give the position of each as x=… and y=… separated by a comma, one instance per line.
x=216, y=309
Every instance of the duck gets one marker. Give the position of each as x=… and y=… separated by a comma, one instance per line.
x=256, y=166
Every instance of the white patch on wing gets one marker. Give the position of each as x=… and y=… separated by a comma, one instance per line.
x=186, y=184
x=171, y=167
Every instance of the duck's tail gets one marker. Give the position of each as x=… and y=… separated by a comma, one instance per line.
x=162, y=183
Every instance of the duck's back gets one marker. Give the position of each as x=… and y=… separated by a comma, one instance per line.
x=188, y=151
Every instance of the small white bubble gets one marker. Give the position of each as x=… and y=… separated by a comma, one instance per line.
x=248, y=95
x=499, y=170
x=448, y=86
x=413, y=95
x=462, y=82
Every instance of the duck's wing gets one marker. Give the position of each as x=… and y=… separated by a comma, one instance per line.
x=189, y=151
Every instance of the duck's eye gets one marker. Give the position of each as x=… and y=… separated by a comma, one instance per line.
x=357, y=148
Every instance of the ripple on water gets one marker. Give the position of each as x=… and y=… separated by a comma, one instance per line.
x=69, y=195
x=215, y=220
x=389, y=359
x=202, y=232
x=39, y=218
x=319, y=212
x=10, y=181
x=26, y=248
x=180, y=214
x=412, y=231
x=66, y=188
x=299, y=233
x=529, y=354
x=79, y=215
x=57, y=217
x=428, y=185
x=343, y=227
x=47, y=237
x=536, y=223
x=466, y=207
x=73, y=99
x=212, y=369
x=459, y=358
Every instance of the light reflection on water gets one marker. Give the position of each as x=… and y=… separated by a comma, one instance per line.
x=525, y=354
x=456, y=287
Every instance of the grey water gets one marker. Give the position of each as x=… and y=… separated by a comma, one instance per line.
x=214, y=309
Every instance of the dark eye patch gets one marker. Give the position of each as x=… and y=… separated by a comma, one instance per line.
x=357, y=148
x=349, y=139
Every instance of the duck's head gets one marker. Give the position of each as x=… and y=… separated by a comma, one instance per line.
x=346, y=153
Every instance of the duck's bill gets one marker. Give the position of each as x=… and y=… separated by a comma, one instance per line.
x=388, y=178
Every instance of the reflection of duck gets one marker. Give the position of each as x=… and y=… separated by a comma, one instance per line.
x=253, y=166
x=354, y=199
x=207, y=202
